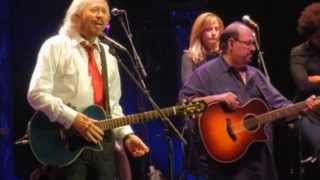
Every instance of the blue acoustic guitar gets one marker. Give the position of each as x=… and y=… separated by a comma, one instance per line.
x=53, y=145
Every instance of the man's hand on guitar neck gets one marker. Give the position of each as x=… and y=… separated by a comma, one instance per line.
x=87, y=129
x=312, y=103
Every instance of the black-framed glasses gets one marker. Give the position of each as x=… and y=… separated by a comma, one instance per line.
x=247, y=43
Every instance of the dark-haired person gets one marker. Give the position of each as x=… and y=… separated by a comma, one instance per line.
x=305, y=70
x=230, y=80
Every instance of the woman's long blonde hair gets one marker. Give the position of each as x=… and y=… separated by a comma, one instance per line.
x=197, y=51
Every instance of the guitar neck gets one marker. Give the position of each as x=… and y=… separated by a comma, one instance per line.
x=281, y=112
x=135, y=118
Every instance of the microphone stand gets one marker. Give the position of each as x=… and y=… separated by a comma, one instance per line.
x=128, y=32
x=168, y=126
x=261, y=61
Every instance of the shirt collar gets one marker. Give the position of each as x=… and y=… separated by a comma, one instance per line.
x=77, y=39
x=226, y=68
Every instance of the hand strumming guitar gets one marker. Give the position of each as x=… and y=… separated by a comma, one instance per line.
x=87, y=129
x=228, y=97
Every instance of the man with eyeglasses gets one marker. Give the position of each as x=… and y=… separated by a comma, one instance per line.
x=229, y=79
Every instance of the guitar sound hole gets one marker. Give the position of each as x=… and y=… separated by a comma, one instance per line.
x=250, y=123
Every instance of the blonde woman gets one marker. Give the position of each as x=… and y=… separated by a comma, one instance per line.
x=203, y=46
x=203, y=43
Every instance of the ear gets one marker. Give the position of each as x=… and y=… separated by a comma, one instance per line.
x=230, y=43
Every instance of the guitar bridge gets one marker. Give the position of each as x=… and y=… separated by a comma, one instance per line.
x=230, y=130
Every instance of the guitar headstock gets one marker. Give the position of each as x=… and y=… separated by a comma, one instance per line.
x=190, y=108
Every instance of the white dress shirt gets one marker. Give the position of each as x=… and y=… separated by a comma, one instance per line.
x=61, y=77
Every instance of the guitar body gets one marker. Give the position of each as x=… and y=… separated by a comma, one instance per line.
x=54, y=146
x=227, y=134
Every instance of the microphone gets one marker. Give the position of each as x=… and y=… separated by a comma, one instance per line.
x=247, y=20
x=117, y=12
x=107, y=40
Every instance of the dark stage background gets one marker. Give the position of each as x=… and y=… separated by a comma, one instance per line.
x=160, y=32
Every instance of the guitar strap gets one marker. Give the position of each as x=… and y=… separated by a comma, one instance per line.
x=108, y=144
x=105, y=77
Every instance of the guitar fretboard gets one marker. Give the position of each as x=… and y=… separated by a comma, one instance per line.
x=135, y=118
x=281, y=112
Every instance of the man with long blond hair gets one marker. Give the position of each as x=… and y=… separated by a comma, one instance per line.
x=69, y=72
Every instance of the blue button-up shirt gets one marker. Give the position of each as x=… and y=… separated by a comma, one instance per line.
x=217, y=77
